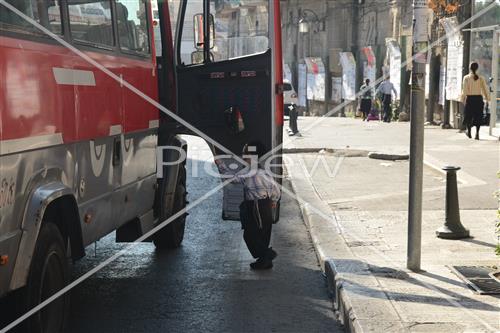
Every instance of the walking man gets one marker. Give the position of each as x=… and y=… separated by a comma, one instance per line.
x=366, y=99
x=386, y=88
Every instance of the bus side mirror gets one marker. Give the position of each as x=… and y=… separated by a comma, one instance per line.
x=198, y=29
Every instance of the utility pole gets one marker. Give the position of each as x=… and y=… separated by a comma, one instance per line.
x=420, y=44
x=355, y=41
x=464, y=13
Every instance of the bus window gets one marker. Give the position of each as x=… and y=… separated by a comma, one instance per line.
x=156, y=27
x=47, y=13
x=188, y=50
x=240, y=29
x=132, y=25
x=90, y=22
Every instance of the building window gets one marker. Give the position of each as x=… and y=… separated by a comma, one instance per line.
x=489, y=18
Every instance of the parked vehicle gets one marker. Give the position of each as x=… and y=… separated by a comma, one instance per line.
x=290, y=96
x=78, y=150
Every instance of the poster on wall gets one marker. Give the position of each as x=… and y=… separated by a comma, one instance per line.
x=369, y=64
x=454, y=59
x=348, y=76
x=394, y=56
x=315, y=79
x=336, y=89
x=302, y=85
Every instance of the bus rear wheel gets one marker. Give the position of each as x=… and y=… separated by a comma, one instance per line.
x=172, y=235
x=48, y=274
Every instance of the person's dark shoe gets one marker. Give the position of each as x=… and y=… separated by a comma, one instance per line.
x=254, y=264
x=477, y=136
x=272, y=254
x=261, y=264
x=468, y=135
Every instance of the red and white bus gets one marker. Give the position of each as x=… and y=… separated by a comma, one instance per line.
x=78, y=149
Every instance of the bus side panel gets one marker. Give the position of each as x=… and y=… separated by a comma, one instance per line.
x=35, y=113
x=26, y=172
x=34, y=102
x=140, y=119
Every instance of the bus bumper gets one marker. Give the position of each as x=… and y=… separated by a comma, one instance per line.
x=8, y=252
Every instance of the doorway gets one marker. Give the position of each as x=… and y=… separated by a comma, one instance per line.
x=485, y=48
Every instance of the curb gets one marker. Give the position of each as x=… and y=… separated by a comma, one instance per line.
x=347, y=152
x=357, y=298
x=388, y=157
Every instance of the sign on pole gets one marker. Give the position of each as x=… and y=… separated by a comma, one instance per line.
x=454, y=58
x=394, y=65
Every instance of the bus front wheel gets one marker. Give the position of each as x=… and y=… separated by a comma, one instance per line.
x=172, y=235
x=49, y=273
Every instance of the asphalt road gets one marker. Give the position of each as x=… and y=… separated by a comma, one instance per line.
x=206, y=285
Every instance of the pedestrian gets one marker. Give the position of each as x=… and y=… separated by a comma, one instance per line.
x=385, y=89
x=474, y=88
x=293, y=115
x=261, y=193
x=366, y=99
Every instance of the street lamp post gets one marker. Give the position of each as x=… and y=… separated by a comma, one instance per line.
x=307, y=18
x=304, y=25
x=304, y=21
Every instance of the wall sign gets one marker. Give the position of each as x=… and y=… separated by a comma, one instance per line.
x=394, y=55
x=454, y=59
x=315, y=79
x=348, y=76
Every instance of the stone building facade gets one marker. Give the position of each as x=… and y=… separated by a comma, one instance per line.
x=345, y=26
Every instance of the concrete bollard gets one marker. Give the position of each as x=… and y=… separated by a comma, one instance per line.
x=453, y=228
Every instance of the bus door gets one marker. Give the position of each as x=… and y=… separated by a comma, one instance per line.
x=229, y=75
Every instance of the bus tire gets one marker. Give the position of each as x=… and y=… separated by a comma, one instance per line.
x=172, y=235
x=49, y=273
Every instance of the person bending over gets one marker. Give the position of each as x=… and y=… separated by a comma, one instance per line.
x=261, y=194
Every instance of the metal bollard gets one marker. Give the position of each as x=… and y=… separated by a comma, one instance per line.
x=453, y=228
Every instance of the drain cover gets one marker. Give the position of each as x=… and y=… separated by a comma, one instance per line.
x=478, y=278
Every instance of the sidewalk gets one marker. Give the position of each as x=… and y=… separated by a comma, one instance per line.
x=479, y=160
x=356, y=211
